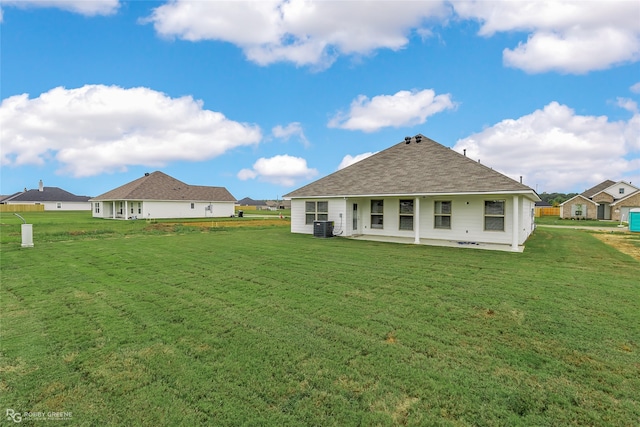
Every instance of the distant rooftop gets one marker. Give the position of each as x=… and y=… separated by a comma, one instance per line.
x=45, y=194
x=160, y=186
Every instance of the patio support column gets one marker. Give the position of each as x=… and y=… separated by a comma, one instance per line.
x=416, y=221
x=126, y=209
x=113, y=211
x=516, y=224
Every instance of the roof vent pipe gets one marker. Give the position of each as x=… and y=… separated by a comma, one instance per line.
x=407, y=139
x=418, y=138
x=520, y=179
x=464, y=151
x=40, y=186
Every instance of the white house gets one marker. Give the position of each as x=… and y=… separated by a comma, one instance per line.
x=53, y=199
x=609, y=200
x=419, y=191
x=157, y=195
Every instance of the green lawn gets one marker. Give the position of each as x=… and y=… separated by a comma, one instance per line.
x=122, y=323
x=554, y=220
x=283, y=212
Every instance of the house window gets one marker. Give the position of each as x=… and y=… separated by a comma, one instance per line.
x=406, y=214
x=442, y=214
x=58, y=205
x=139, y=208
x=578, y=210
x=377, y=213
x=621, y=190
x=316, y=211
x=96, y=207
x=193, y=205
x=120, y=208
x=494, y=215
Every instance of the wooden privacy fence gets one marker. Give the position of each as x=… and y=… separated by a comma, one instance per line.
x=547, y=211
x=21, y=208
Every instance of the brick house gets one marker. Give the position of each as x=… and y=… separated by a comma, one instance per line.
x=608, y=200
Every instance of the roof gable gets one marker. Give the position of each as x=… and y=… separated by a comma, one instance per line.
x=412, y=167
x=581, y=197
x=160, y=186
x=625, y=198
x=610, y=187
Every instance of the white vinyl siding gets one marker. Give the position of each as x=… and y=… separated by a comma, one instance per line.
x=164, y=209
x=334, y=209
x=467, y=226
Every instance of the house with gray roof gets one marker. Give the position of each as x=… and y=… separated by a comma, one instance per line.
x=609, y=200
x=419, y=191
x=53, y=199
x=158, y=195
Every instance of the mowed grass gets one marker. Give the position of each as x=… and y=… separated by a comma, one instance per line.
x=554, y=220
x=121, y=323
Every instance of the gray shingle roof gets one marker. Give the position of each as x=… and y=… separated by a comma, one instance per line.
x=425, y=167
x=160, y=186
x=248, y=201
x=48, y=194
x=598, y=188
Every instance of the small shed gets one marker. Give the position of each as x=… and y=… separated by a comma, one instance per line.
x=634, y=220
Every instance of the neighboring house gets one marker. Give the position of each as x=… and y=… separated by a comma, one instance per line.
x=8, y=197
x=422, y=192
x=608, y=200
x=53, y=199
x=157, y=195
x=271, y=205
x=254, y=204
x=275, y=205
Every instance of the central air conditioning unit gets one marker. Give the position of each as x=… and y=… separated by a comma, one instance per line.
x=322, y=228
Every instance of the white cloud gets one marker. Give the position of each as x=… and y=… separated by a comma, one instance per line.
x=348, y=160
x=96, y=129
x=627, y=104
x=283, y=170
x=555, y=149
x=299, y=31
x=635, y=88
x=564, y=36
x=403, y=108
x=83, y=7
x=292, y=129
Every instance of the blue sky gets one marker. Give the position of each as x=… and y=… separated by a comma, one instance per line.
x=264, y=97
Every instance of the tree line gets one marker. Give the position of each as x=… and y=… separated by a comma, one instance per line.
x=554, y=199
